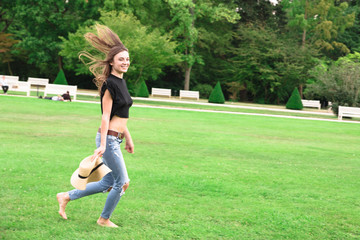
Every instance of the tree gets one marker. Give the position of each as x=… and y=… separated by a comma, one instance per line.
x=217, y=95
x=40, y=23
x=6, y=45
x=142, y=90
x=7, y=40
x=185, y=14
x=351, y=36
x=339, y=82
x=294, y=101
x=320, y=22
x=60, y=78
x=268, y=65
x=149, y=50
x=259, y=12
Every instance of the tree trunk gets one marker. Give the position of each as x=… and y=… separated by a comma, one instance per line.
x=60, y=63
x=301, y=90
x=187, y=77
x=189, y=51
x=140, y=73
x=303, y=39
x=9, y=68
x=305, y=17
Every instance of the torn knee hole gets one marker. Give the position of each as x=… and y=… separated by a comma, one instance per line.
x=125, y=186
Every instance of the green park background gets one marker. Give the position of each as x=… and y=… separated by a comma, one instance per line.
x=258, y=50
x=194, y=175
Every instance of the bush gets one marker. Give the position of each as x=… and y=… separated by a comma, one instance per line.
x=204, y=89
x=142, y=91
x=335, y=108
x=294, y=101
x=217, y=95
x=60, y=78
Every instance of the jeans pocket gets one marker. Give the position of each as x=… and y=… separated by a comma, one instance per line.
x=113, y=143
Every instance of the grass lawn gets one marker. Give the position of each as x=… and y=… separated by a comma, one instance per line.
x=244, y=107
x=194, y=175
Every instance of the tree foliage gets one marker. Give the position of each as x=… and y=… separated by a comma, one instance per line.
x=60, y=78
x=294, y=101
x=150, y=52
x=189, y=44
x=217, y=95
x=319, y=22
x=39, y=24
x=339, y=82
x=6, y=47
x=184, y=24
x=142, y=90
x=267, y=65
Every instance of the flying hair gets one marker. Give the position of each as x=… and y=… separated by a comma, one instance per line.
x=107, y=42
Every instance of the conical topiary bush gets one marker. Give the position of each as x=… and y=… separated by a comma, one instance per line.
x=217, y=95
x=60, y=78
x=294, y=101
x=142, y=90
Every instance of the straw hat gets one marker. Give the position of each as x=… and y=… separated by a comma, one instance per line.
x=89, y=171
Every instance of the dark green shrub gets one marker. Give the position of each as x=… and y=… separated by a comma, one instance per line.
x=60, y=78
x=335, y=108
x=217, y=95
x=294, y=101
x=142, y=91
x=204, y=89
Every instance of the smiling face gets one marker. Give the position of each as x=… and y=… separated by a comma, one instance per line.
x=120, y=64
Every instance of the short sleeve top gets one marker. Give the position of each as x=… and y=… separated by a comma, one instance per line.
x=119, y=94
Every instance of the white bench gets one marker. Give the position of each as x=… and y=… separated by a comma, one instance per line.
x=160, y=92
x=189, y=94
x=20, y=86
x=59, y=89
x=348, y=112
x=38, y=82
x=16, y=85
x=9, y=79
x=311, y=103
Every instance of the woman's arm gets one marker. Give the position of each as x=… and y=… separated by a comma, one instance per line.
x=105, y=121
x=129, y=146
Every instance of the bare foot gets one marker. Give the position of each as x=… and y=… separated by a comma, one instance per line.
x=63, y=198
x=106, y=223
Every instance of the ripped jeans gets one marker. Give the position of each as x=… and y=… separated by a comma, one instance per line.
x=116, y=179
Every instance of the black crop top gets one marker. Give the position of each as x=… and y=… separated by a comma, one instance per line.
x=120, y=95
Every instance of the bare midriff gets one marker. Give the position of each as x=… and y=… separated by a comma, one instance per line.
x=118, y=124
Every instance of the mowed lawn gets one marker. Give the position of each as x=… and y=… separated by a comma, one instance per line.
x=194, y=175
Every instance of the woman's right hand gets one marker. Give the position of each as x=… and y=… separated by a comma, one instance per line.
x=99, y=152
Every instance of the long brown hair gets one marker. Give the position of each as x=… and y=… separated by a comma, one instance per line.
x=107, y=42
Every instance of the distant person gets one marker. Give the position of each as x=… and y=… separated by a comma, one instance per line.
x=4, y=85
x=115, y=103
x=66, y=96
x=54, y=98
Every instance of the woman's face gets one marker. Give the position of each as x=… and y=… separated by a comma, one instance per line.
x=121, y=62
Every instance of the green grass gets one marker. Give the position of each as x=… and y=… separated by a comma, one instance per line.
x=270, y=109
x=194, y=175
x=276, y=110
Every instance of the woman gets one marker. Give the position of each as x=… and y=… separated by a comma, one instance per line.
x=115, y=104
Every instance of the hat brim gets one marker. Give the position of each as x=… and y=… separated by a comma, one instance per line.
x=98, y=174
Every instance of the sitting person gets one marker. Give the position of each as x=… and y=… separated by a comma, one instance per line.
x=4, y=85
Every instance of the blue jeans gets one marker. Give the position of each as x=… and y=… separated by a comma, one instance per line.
x=116, y=179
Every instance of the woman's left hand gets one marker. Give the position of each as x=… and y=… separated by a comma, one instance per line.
x=129, y=146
